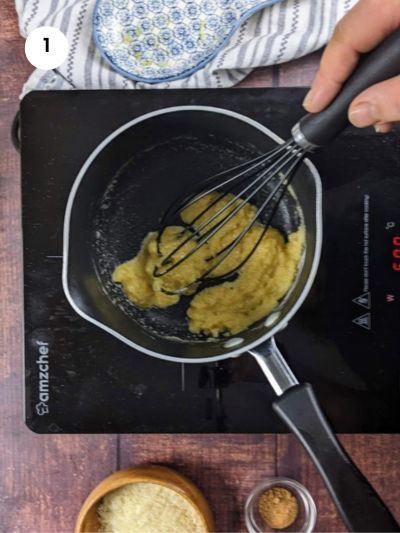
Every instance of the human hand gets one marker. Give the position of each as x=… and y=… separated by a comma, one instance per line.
x=360, y=31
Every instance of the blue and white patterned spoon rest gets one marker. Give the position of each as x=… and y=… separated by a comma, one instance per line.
x=164, y=40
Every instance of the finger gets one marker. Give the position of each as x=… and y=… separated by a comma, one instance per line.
x=366, y=25
x=379, y=104
x=384, y=128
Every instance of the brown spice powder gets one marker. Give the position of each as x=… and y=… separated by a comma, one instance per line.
x=278, y=508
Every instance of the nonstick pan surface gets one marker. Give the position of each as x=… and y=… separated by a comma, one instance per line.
x=120, y=195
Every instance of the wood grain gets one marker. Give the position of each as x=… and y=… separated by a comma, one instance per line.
x=45, y=479
x=261, y=77
x=377, y=456
x=299, y=73
x=224, y=467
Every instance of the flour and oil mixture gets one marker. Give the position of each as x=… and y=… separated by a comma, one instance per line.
x=232, y=306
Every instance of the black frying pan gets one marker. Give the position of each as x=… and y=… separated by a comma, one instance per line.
x=119, y=196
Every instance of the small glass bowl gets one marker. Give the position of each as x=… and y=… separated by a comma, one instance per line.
x=306, y=517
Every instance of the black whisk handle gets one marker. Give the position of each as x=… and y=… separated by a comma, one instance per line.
x=319, y=129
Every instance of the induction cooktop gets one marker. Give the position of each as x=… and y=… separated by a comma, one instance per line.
x=344, y=340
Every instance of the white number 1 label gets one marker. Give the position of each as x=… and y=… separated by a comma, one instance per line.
x=43, y=55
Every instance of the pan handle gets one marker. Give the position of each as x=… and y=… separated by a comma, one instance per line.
x=357, y=502
x=359, y=505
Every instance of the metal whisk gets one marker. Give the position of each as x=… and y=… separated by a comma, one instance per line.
x=272, y=171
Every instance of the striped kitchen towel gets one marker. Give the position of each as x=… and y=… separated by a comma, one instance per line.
x=279, y=33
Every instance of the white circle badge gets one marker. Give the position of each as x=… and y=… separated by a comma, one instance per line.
x=46, y=48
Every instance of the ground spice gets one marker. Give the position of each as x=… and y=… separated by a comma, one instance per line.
x=278, y=508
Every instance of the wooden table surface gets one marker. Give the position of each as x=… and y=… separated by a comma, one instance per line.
x=44, y=479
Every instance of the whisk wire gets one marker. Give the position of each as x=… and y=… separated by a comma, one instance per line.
x=251, y=163
x=294, y=152
x=283, y=184
x=183, y=203
x=270, y=172
x=207, y=208
x=255, y=164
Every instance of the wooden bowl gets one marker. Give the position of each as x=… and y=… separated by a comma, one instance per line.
x=88, y=521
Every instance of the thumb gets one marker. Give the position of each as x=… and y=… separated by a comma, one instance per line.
x=379, y=104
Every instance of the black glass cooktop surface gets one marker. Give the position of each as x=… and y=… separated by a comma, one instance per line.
x=344, y=340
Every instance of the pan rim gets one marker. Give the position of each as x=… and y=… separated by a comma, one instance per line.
x=66, y=237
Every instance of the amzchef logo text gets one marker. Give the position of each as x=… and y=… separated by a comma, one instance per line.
x=42, y=407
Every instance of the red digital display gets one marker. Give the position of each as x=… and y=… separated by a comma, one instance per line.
x=396, y=253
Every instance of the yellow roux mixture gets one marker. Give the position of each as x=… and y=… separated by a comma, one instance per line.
x=230, y=307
